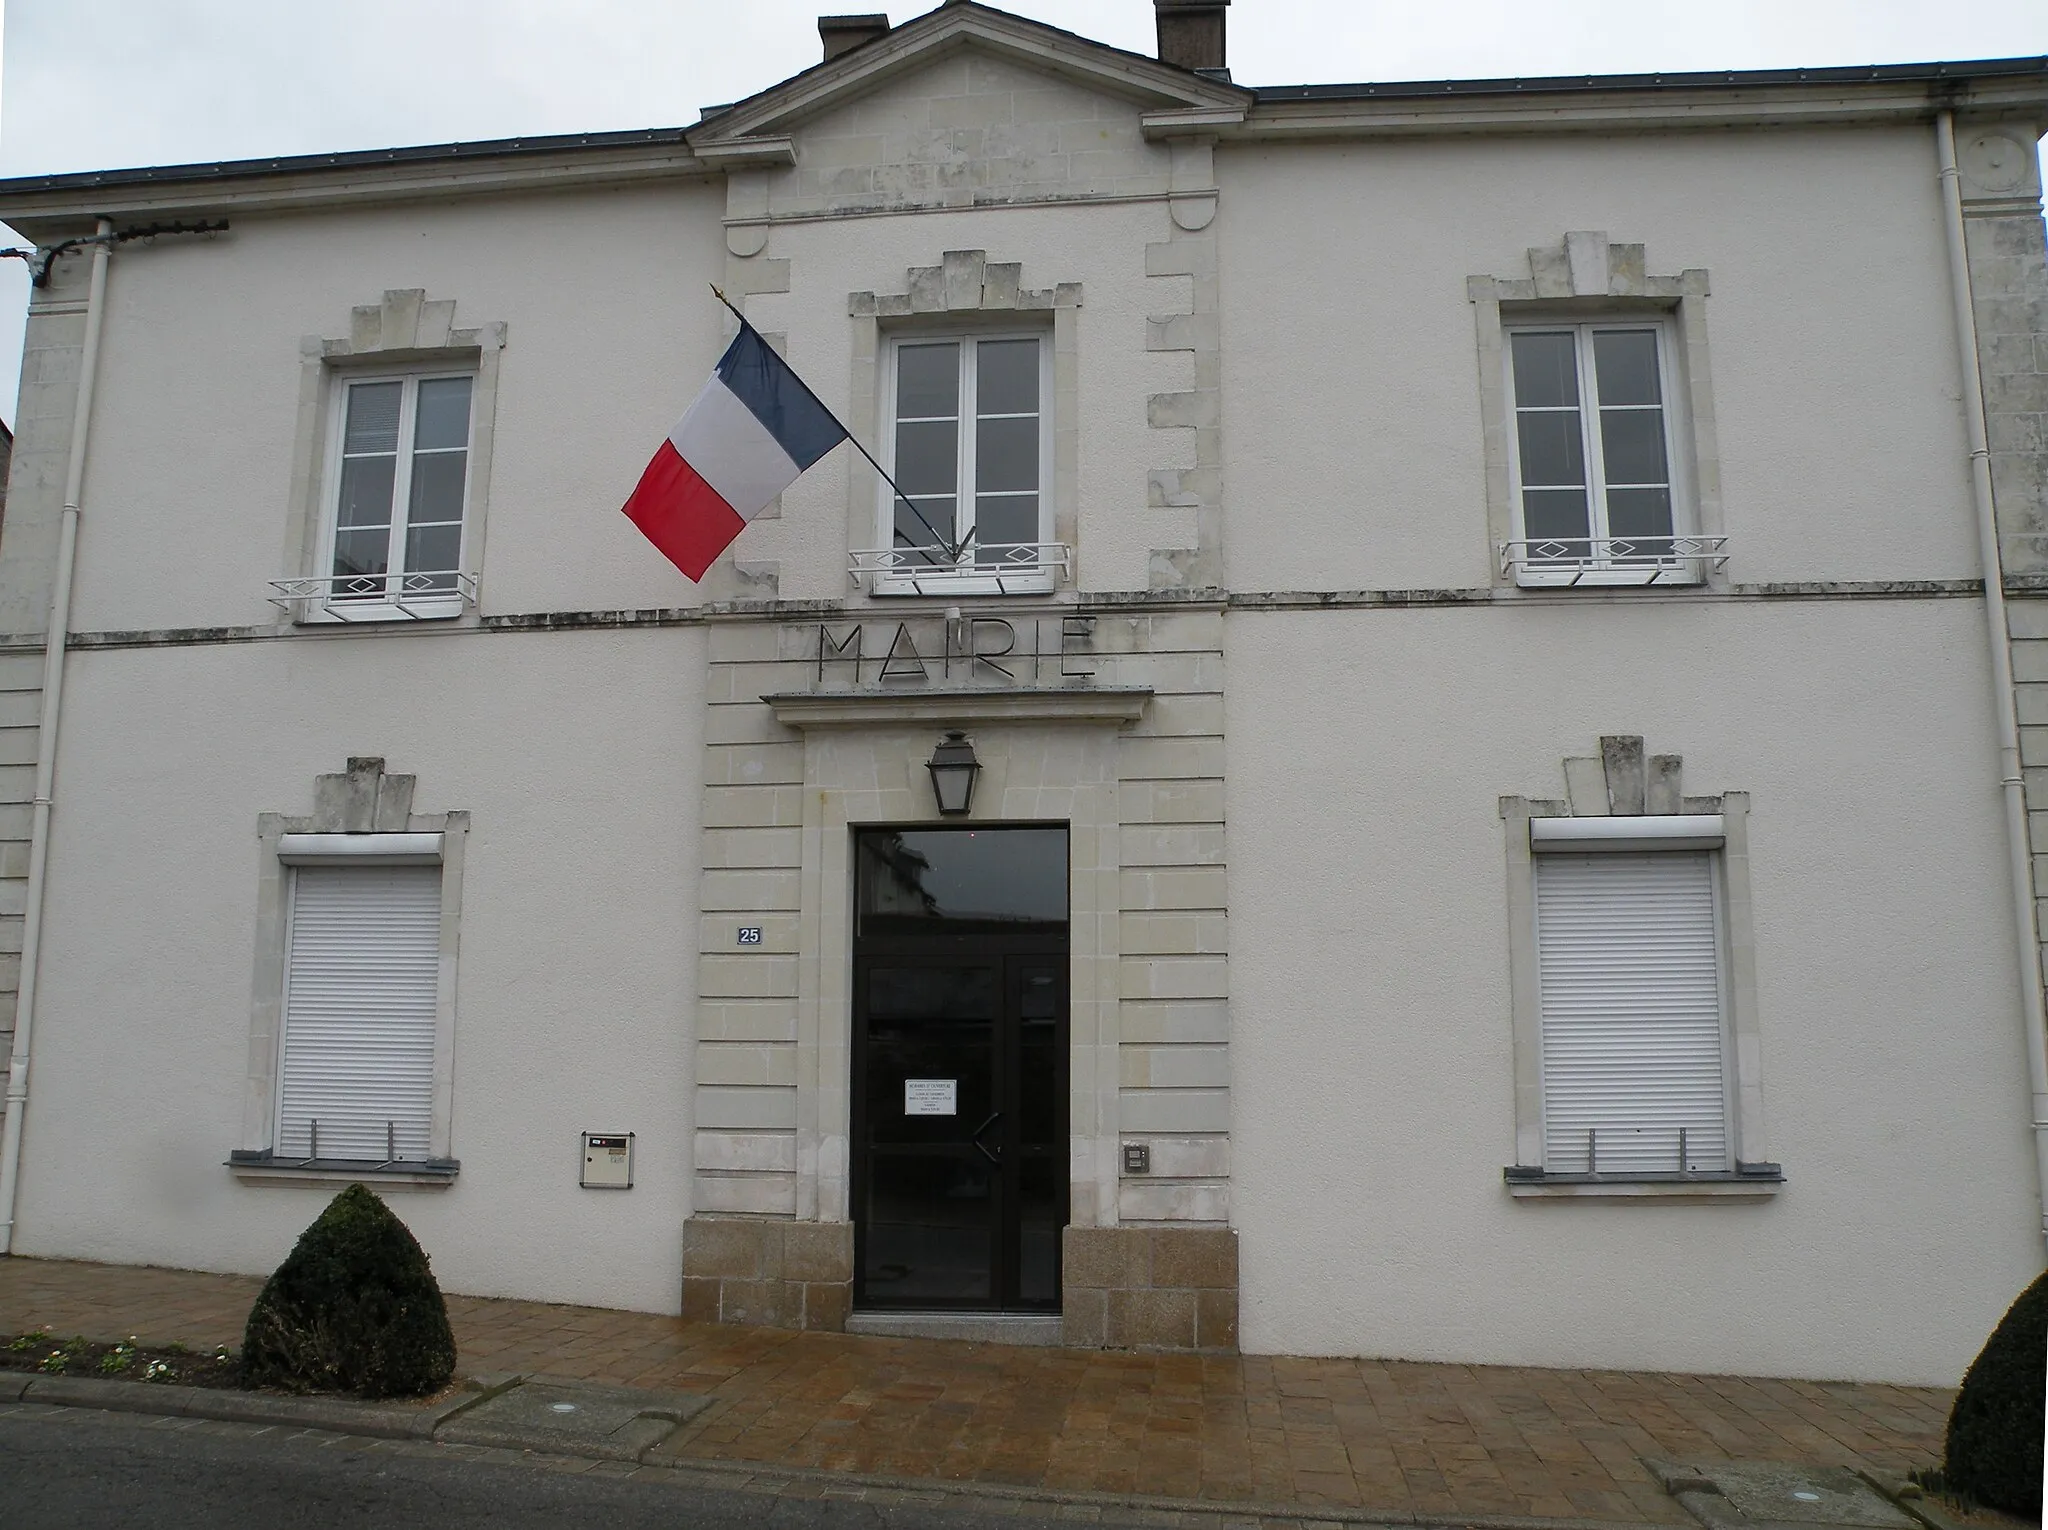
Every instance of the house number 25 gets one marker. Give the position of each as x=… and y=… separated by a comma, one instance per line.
x=750, y=934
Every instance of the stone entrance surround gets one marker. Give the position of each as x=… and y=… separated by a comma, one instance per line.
x=1109, y=722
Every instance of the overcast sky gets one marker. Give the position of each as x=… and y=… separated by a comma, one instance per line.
x=92, y=84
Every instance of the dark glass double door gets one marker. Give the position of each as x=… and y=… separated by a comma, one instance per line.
x=960, y=1069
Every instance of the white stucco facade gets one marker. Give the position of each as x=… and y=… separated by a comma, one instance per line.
x=1276, y=696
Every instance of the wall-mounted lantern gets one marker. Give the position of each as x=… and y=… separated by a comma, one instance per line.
x=953, y=767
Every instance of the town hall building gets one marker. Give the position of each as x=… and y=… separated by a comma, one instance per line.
x=1414, y=756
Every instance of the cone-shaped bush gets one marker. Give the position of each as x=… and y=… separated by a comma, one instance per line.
x=353, y=1309
x=1994, y=1430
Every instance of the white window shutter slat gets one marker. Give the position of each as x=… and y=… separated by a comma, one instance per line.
x=361, y=983
x=1633, y=1050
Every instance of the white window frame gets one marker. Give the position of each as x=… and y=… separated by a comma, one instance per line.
x=287, y=843
x=397, y=604
x=962, y=578
x=1601, y=568
x=1536, y=828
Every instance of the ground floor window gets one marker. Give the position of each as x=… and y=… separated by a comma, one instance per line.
x=356, y=1076
x=1634, y=1071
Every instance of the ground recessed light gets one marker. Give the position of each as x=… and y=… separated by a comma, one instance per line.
x=563, y=1407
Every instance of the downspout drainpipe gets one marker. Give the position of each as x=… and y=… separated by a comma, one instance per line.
x=2032, y=1013
x=46, y=742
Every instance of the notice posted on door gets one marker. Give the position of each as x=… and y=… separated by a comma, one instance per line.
x=931, y=1097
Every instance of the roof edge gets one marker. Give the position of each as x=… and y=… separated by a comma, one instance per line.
x=1829, y=77
x=565, y=161
x=294, y=179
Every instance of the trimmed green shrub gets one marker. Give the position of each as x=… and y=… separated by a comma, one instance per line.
x=354, y=1308
x=1993, y=1453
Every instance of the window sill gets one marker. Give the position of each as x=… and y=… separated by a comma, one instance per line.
x=378, y=611
x=1579, y=577
x=1749, y=1182
x=424, y=1173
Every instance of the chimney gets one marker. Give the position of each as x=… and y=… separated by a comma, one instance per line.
x=842, y=34
x=1191, y=34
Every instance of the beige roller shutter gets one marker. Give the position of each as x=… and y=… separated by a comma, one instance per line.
x=360, y=987
x=1633, y=1049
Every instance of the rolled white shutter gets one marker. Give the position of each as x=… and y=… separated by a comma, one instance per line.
x=1632, y=1035
x=360, y=989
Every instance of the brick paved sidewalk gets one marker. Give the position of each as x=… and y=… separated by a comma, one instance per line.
x=1379, y=1437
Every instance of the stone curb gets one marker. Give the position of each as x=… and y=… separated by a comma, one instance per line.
x=1307, y=1514
x=656, y=1417
x=380, y=1421
x=383, y=1421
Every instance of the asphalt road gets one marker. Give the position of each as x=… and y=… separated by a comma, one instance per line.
x=62, y=1468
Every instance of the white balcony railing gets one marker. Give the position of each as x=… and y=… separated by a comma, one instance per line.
x=375, y=597
x=1005, y=568
x=1539, y=561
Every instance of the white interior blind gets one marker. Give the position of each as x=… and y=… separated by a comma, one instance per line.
x=1632, y=1036
x=360, y=987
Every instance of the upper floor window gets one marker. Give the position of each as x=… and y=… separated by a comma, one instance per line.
x=970, y=443
x=398, y=487
x=1592, y=456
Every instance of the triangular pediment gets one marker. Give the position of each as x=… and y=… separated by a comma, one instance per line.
x=920, y=46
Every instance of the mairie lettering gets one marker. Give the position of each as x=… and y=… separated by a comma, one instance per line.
x=957, y=650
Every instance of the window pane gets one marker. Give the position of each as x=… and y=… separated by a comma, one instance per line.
x=1625, y=365
x=443, y=414
x=937, y=522
x=434, y=550
x=1008, y=377
x=437, y=488
x=1640, y=513
x=1555, y=513
x=929, y=1230
x=1005, y=518
x=1546, y=370
x=372, y=418
x=1042, y=1204
x=1005, y=455
x=1013, y=879
x=1552, y=450
x=366, y=491
x=927, y=380
x=1632, y=446
x=362, y=554
x=930, y=1022
x=928, y=457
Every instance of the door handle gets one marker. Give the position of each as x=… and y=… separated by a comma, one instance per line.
x=996, y=1157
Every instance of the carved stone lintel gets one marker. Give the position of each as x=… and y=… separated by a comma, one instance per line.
x=362, y=800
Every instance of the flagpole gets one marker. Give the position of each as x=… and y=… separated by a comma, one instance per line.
x=953, y=549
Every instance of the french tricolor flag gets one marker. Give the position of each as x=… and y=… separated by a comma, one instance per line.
x=752, y=430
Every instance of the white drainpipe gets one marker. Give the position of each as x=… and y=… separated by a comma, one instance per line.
x=46, y=741
x=2031, y=1008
